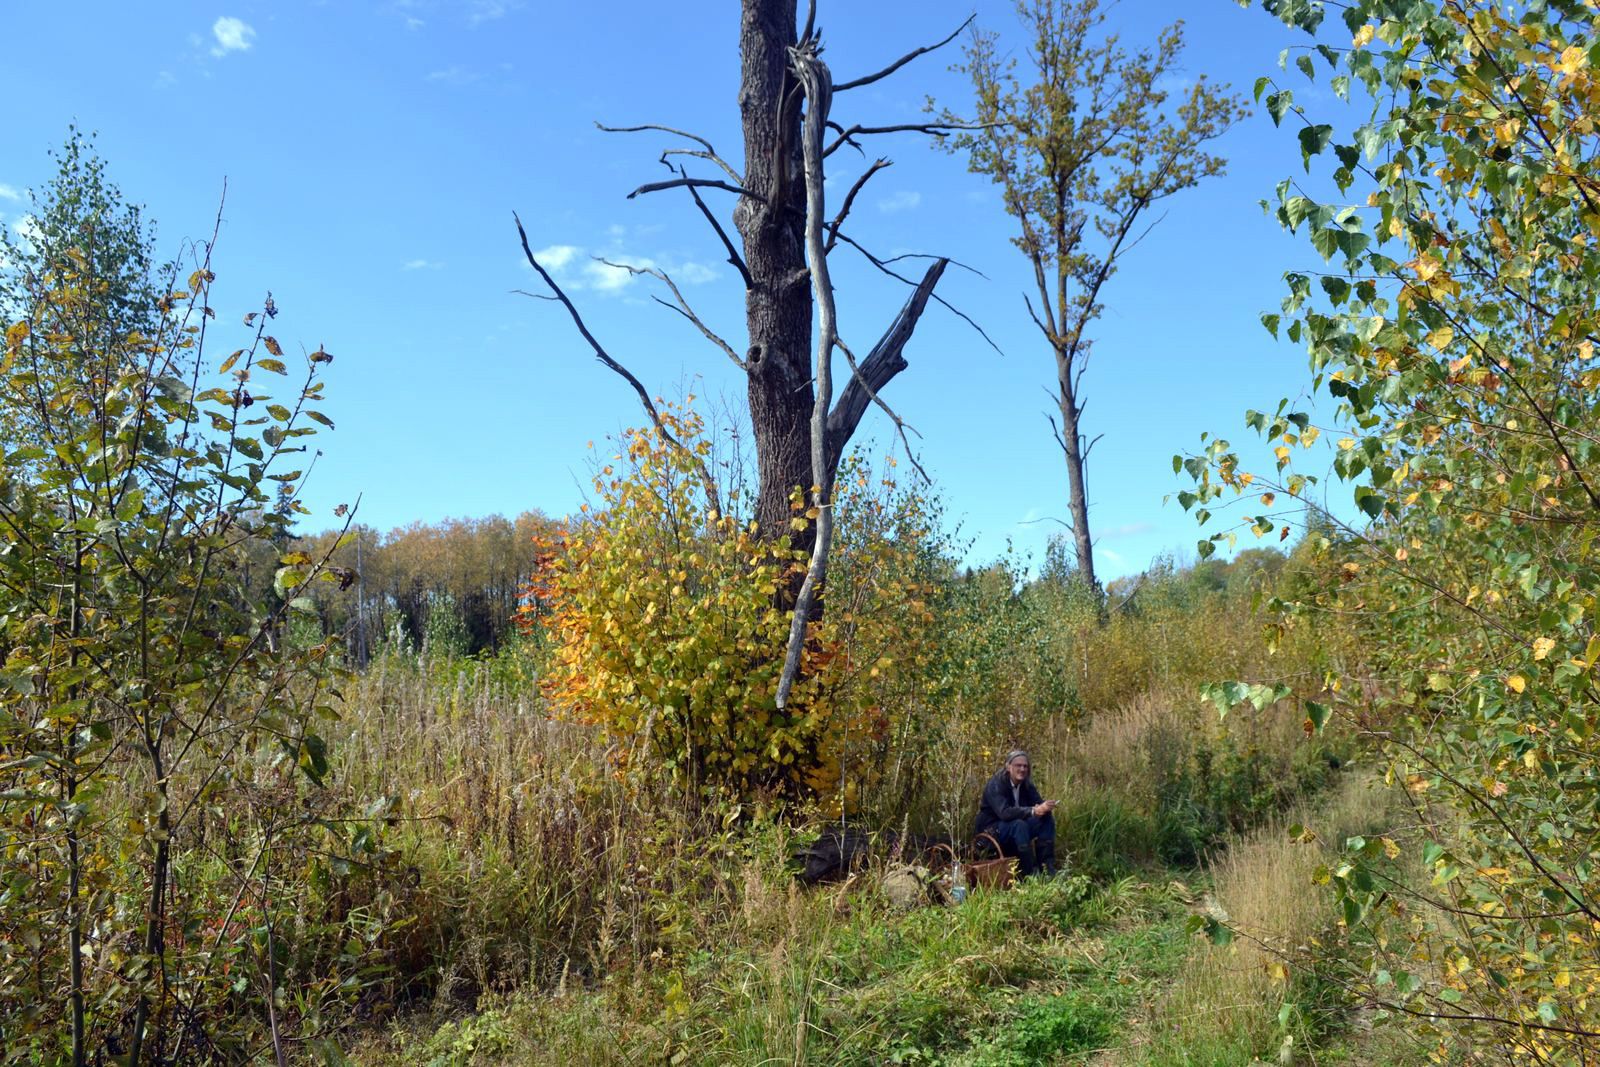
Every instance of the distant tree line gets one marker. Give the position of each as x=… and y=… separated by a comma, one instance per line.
x=451, y=586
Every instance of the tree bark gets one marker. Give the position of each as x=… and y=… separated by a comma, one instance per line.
x=1072, y=446
x=778, y=303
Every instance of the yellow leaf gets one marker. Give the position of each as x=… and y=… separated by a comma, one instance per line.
x=1516, y=683
x=1363, y=36
x=1441, y=337
x=1542, y=647
x=1573, y=59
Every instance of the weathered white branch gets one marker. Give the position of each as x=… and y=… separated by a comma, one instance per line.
x=813, y=76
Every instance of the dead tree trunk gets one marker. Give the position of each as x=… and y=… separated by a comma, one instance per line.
x=778, y=303
x=798, y=448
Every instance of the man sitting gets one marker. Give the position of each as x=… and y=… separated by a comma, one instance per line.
x=1018, y=817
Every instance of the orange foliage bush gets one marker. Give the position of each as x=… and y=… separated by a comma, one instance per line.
x=666, y=624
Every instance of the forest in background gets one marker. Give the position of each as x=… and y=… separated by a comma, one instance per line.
x=496, y=791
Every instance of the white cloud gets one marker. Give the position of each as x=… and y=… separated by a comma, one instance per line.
x=454, y=76
x=482, y=11
x=232, y=35
x=692, y=273
x=606, y=271
x=904, y=200
x=556, y=258
x=612, y=277
x=8, y=192
x=420, y=264
x=27, y=228
x=413, y=23
x=1109, y=556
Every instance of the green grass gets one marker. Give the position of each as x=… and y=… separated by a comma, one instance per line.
x=1044, y=973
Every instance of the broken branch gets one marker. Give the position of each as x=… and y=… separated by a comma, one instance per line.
x=850, y=198
x=695, y=183
x=886, y=360
x=903, y=60
x=682, y=307
x=604, y=357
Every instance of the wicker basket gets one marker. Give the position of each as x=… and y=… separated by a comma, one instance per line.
x=997, y=873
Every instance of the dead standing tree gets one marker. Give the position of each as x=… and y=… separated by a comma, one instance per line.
x=786, y=237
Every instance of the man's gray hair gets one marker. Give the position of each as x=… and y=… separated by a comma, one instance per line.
x=1014, y=754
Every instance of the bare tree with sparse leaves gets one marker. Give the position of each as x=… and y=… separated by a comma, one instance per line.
x=1082, y=147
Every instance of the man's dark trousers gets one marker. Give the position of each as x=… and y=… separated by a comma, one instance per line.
x=1031, y=840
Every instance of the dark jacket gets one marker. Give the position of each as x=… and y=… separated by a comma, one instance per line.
x=996, y=806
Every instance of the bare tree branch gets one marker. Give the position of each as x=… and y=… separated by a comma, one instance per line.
x=682, y=307
x=696, y=183
x=934, y=129
x=850, y=199
x=1050, y=335
x=710, y=153
x=903, y=60
x=957, y=312
x=734, y=259
x=711, y=157
x=605, y=357
x=812, y=75
x=1055, y=431
x=929, y=255
x=886, y=360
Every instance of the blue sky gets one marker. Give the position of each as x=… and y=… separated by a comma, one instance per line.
x=374, y=152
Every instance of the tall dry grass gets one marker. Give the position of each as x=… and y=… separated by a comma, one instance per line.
x=1224, y=1005
x=527, y=864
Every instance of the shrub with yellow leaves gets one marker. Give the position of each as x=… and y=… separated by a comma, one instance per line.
x=667, y=620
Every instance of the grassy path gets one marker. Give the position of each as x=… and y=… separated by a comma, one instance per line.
x=1059, y=972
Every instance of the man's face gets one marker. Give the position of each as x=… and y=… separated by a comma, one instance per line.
x=1018, y=770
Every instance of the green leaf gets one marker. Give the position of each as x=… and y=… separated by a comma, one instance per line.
x=1313, y=139
x=1278, y=105
x=1317, y=714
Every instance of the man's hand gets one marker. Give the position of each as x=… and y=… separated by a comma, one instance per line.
x=1045, y=808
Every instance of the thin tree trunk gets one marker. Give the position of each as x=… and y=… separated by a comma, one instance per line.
x=1072, y=447
x=154, y=940
x=74, y=930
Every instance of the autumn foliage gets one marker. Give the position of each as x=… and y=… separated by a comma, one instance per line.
x=666, y=624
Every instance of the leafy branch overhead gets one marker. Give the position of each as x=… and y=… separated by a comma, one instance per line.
x=1449, y=316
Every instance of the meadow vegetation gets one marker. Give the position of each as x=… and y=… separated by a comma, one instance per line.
x=521, y=791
